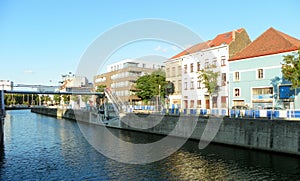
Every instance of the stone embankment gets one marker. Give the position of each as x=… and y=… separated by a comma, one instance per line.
x=281, y=136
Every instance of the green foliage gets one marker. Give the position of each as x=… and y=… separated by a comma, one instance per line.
x=209, y=78
x=170, y=88
x=100, y=88
x=85, y=98
x=56, y=98
x=66, y=98
x=291, y=69
x=148, y=85
x=74, y=98
x=19, y=99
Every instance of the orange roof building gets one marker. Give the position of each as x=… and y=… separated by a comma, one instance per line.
x=255, y=72
x=270, y=42
x=182, y=69
x=236, y=39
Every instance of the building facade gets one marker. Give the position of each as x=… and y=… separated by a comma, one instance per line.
x=75, y=83
x=255, y=73
x=214, y=55
x=194, y=93
x=6, y=85
x=173, y=74
x=121, y=77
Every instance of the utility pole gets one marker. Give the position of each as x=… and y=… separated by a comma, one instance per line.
x=159, y=86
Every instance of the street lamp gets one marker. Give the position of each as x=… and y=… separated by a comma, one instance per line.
x=158, y=97
x=228, y=98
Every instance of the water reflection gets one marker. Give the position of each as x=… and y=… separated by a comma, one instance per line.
x=45, y=148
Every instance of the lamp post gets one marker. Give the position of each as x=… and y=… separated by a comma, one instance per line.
x=159, y=87
x=228, y=98
x=158, y=98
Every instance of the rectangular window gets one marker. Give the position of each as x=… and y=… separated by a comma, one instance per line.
x=236, y=76
x=237, y=92
x=260, y=73
x=223, y=83
x=214, y=62
x=185, y=102
x=185, y=69
x=173, y=71
x=198, y=84
x=192, y=104
x=179, y=70
x=192, y=67
x=238, y=102
x=168, y=72
x=198, y=103
x=198, y=66
x=214, y=101
x=262, y=91
x=206, y=63
x=224, y=101
x=185, y=85
x=179, y=86
x=223, y=61
x=192, y=84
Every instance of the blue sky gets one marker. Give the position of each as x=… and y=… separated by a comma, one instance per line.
x=41, y=40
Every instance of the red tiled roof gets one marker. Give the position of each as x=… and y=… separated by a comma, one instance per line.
x=224, y=38
x=193, y=49
x=270, y=42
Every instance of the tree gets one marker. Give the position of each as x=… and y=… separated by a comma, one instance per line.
x=56, y=98
x=209, y=78
x=100, y=98
x=291, y=69
x=100, y=88
x=85, y=98
x=152, y=85
x=170, y=88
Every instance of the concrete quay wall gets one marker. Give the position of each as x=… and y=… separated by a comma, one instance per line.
x=263, y=134
x=62, y=113
x=271, y=135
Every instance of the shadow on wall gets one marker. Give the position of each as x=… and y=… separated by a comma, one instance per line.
x=276, y=82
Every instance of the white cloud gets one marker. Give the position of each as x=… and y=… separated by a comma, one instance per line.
x=160, y=49
x=28, y=71
x=174, y=48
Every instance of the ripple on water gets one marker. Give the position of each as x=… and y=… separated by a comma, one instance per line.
x=45, y=148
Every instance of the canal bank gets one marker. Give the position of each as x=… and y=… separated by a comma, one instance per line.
x=270, y=135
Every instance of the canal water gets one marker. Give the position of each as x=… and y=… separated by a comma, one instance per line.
x=38, y=147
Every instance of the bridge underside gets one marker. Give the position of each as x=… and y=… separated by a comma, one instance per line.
x=48, y=92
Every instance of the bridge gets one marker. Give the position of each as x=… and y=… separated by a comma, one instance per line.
x=3, y=107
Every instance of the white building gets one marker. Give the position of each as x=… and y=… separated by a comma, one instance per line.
x=133, y=63
x=75, y=83
x=193, y=91
x=6, y=85
x=121, y=76
x=214, y=52
x=173, y=74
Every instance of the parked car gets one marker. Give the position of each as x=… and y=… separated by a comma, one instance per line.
x=273, y=108
x=240, y=107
